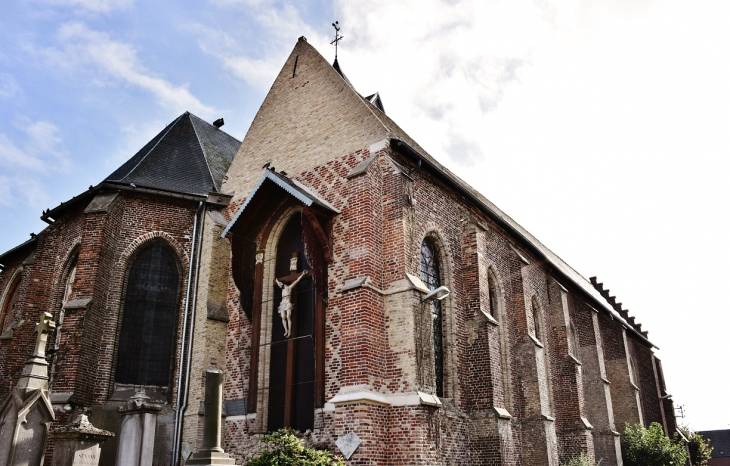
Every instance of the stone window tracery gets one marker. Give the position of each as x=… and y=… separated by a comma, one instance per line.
x=431, y=276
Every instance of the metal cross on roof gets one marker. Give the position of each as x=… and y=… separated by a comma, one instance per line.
x=338, y=37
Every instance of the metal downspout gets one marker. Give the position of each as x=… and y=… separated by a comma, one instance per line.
x=194, y=262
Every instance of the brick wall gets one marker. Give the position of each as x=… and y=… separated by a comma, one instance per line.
x=105, y=243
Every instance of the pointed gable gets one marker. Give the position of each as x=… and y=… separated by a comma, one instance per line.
x=310, y=116
x=188, y=156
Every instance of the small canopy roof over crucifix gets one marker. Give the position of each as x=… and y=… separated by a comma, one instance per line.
x=272, y=182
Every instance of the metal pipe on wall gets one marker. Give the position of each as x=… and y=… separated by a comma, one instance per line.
x=192, y=284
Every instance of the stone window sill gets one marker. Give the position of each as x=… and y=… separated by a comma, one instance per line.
x=489, y=318
x=123, y=392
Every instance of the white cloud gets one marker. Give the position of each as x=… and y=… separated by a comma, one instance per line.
x=601, y=126
x=26, y=163
x=95, y=6
x=115, y=62
x=256, y=63
x=133, y=138
x=247, y=3
x=42, y=150
x=8, y=86
x=24, y=191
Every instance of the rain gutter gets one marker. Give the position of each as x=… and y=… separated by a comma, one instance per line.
x=189, y=321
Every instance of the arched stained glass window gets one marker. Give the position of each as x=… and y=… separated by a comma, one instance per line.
x=10, y=304
x=431, y=276
x=148, y=322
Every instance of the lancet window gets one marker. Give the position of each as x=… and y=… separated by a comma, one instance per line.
x=431, y=276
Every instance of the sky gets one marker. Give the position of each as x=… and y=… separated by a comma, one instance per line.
x=601, y=127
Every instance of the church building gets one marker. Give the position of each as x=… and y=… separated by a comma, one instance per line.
x=346, y=283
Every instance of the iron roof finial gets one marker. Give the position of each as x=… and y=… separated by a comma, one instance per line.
x=338, y=37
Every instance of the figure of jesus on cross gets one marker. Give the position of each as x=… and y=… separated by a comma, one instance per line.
x=286, y=306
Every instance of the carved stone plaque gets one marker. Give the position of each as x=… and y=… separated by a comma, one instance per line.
x=348, y=444
x=87, y=456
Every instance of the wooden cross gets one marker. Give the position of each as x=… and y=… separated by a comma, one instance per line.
x=42, y=328
x=338, y=37
x=293, y=275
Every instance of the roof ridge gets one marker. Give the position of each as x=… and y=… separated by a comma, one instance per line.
x=205, y=153
x=217, y=129
x=156, y=144
x=363, y=100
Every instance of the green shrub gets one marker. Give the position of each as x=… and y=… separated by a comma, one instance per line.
x=650, y=447
x=284, y=448
x=699, y=447
x=581, y=460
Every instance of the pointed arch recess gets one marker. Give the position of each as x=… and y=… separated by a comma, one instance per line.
x=9, y=293
x=542, y=356
x=264, y=325
x=499, y=313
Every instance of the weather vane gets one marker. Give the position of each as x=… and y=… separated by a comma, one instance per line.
x=338, y=37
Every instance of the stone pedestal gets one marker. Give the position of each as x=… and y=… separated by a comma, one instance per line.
x=78, y=443
x=27, y=413
x=137, y=433
x=24, y=420
x=211, y=453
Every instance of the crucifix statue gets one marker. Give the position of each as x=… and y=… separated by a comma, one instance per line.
x=285, y=306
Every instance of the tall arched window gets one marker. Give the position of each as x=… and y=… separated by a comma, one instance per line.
x=431, y=276
x=9, y=304
x=148, y=321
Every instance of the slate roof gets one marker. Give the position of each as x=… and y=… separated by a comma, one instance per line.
x=376, y=100
x=719, y=441
x=188, y=156
x=336, y=66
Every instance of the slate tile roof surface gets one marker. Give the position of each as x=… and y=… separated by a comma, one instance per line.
x=188, y=156
x=719, y=441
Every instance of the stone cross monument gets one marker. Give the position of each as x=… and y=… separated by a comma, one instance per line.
x=27, y=413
